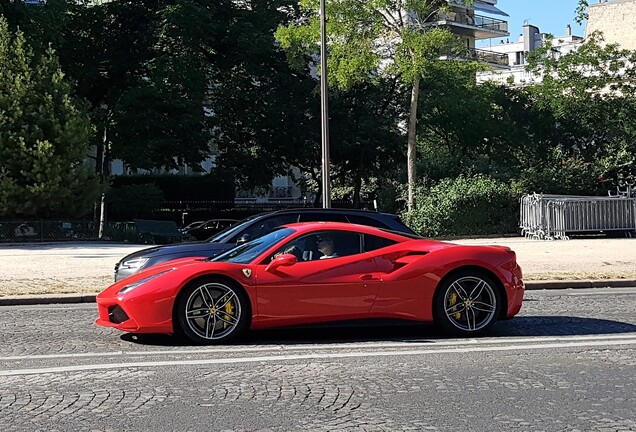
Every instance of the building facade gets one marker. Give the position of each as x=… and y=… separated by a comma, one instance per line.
x=472, y=23
x=616, y=20
x=516, y=52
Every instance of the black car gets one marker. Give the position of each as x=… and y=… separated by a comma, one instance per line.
x=207, y=229
x=249, y=229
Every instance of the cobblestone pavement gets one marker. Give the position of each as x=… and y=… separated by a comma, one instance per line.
x=567, y=363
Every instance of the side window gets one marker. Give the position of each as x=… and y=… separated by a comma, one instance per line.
x=322, y=217
x=225, y=224
x=372, y=242
x=265, y=225
x=363, y=220
x=322, y=245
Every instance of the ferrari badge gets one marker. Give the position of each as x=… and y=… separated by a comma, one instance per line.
x=247, y=272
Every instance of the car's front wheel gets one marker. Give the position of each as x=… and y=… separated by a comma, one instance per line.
x=212, y=311
x=466, y=304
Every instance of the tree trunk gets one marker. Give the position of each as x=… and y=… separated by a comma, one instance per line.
x=357, y=184
x=412, y=141
x=103, y=171
x=318, y=196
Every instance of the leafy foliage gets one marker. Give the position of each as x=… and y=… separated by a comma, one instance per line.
x=265, y=114
x=44, y=135
x=371, y=42
x=466, y=206
x=591, y=96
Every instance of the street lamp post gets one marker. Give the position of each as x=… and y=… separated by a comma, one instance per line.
x=324, y=110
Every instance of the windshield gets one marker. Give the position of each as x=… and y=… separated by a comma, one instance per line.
x=247, y=252
x=231, y=230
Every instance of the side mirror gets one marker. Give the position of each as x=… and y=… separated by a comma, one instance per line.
x=243, y=239
x=284, y=260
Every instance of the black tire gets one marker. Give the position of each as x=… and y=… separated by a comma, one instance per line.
x=211, y=311
x=467, y=303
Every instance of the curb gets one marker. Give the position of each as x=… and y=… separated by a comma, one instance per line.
x=45, y=299
x=578, y=284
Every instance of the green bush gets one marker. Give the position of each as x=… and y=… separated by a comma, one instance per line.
x=466, y=206
x=122, y=232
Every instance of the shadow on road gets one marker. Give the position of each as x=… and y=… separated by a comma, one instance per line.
x=393, y=331
x=560, y=326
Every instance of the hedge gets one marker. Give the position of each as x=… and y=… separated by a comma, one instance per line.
x=466, y=206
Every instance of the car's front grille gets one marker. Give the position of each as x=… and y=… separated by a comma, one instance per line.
x=117, y=315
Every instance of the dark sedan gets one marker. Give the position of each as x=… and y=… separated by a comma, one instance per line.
x=249, y=229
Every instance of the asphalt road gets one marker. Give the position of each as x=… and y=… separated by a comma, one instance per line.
x=567, y=362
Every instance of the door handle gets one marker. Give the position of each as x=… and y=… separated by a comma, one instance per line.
x=368, y=277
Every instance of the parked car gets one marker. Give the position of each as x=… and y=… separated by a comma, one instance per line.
x=206, y=229
x=290, y=277
x=191, y=225
x=251, y=228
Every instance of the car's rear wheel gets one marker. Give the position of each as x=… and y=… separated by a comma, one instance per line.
x=212, y=311
x=467, y=304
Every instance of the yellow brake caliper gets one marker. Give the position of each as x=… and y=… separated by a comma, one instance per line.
x=452, y=301
x=229, y=309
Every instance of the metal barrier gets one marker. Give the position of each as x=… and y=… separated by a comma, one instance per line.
x=555, y=217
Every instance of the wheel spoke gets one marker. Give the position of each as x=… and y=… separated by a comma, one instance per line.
x=209, y=332
x=217, y=305
x=470, y=312
x=209, y=301
x=197, y=313
x=461, y=292
x=454, y=310
x=229, y=319
x=478, y=288
x=483, y=307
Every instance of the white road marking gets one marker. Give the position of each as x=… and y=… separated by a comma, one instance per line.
x=317, y=356
x=334, y=346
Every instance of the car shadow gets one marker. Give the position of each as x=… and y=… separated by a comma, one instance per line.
x=400, y=331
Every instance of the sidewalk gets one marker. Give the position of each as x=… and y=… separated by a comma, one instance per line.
x=75, y=272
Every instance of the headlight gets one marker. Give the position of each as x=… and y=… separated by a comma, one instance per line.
x=141, y=281
x=135, y=263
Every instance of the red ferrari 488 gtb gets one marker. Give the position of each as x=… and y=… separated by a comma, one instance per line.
x=319, y=272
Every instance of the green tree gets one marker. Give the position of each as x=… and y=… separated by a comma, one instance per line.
x=366, y=146
x=581, y=11
x=44, y=135
x=264, y=113
x=160, y=119
x=591, y=95
x=373, y=40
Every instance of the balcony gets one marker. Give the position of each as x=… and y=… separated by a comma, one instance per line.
x=477, y=26
x=483, y=56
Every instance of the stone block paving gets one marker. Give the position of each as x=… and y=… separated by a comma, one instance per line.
x=518, y=392
x=585, y=388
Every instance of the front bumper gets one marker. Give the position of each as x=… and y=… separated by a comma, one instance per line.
x=135, y=314
x=515, y=293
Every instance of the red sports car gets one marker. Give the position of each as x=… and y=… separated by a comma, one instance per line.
x=317, y=272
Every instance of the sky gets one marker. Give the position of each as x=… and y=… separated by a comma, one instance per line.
x=551, y=16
